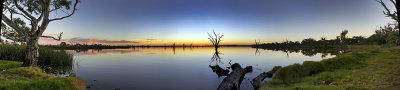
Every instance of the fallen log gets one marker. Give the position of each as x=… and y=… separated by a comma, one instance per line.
x=219, y=71
x=256, y=82
x=234, y=79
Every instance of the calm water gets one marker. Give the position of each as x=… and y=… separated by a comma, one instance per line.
x=174, y=69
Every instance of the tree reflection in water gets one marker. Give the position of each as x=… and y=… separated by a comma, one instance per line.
x=307, y=51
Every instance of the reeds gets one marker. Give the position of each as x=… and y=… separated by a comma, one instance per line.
x=47, y=56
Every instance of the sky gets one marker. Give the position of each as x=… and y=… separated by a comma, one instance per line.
x=162, y=22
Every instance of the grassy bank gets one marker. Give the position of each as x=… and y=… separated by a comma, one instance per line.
x=365, y=67
x=14, y=77
x=48, y=56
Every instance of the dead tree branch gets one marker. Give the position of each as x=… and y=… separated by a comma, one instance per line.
x=58, y=39
x=388, y=13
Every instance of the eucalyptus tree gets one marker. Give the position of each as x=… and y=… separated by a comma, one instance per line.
x=12, y=34
x=38, y=13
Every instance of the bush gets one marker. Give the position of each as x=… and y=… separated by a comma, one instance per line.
x=313, y=67
x=292, y=73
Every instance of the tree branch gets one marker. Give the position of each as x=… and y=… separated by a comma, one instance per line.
x=394, y=3
x=54, y=9
x=11, y=23
x=45, y=16
x=15, y=12
x=76, y=2
x=23, y=11
x=388, y=13
x=58, y=39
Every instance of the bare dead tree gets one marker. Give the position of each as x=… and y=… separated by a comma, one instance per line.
x=215, y=40
x=388, y=13
x=37, y=13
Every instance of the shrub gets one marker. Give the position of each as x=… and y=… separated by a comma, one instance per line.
x=292, y=73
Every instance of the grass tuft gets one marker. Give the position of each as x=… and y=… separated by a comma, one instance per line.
x=32, y=78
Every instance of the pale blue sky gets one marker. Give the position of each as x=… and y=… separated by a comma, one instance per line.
x=241, y=21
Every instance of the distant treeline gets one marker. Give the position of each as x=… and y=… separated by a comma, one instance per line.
x=310, y=42
x=387, y=35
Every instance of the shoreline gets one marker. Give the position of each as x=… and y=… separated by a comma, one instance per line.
x=365, y=67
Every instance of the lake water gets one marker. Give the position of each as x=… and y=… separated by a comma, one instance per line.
x=175, y=68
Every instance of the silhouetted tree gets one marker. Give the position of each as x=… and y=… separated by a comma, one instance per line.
x=215, y=40
x=388, y=13
x=257, y=42
x=385, y=35
x=63, y=44
x=309, y=41
x=343, y=37
x=28, y=11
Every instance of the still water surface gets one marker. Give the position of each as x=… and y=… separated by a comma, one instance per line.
x=175, y=69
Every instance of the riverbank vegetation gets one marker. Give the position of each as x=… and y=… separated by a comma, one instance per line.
x=14, y=77
x=386, y=36
x=364, y=67
x=49, y=57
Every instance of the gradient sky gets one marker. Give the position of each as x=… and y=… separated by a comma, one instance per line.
x=159, y=22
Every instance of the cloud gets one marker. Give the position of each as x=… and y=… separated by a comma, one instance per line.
x=93, y=40
x=151, y=39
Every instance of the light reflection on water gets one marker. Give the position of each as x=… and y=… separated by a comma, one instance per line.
x=174, y=68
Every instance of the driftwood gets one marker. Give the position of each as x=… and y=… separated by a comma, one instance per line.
x=219, y=71
x=233, y=80
x=256, y=82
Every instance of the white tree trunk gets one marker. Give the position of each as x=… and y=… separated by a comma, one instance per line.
x=32, y=55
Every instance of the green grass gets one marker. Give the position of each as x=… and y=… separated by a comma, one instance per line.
x=8, y=64
x=32, y=78
x=365, y=67
x=48, y=57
